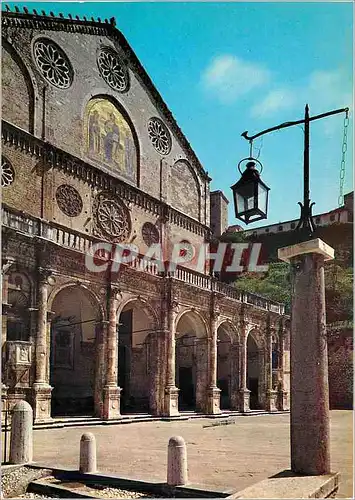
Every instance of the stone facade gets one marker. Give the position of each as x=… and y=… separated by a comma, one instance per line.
x=90, y=155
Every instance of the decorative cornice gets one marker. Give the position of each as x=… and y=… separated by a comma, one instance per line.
x=61, y=160
x=106, y=28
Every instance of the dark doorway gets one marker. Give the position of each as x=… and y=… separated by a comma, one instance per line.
x=253, y=385
x=223, y=385
x=187, y=390
x=124, y=361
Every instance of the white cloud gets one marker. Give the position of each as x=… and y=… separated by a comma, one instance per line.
x=229, y=77
x=323, y=91
x=273, y=102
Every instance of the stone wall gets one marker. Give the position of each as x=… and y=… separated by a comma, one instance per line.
x=341, y=369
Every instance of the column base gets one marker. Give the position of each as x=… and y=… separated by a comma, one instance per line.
x=171, y=401
x=111, y=403
x=42, y=396
x=244, y=400
x=213, y=401
x=271, y=401
x=284, y=403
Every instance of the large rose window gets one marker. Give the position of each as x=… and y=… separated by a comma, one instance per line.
x=112, y=69
x=53, y=63
x=112, y=217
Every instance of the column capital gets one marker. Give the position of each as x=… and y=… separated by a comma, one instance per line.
x=115, y=292
x=6, y=263
x=45, y=276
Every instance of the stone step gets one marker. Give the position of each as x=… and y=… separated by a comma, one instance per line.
x=144, y=417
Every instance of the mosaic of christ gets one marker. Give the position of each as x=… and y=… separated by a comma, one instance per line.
x=109, y=138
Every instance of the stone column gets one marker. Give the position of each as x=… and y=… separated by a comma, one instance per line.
x=213, y=393
x=6, y=264
x=171, y=391
x=283, y=394
x=41, y=388
x=244, y=393
x=235, y=376
x=271, y=395
x=111, y=392
x=310, y=444
x=100, y=372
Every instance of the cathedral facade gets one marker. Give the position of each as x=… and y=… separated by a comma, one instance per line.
x=91, y=153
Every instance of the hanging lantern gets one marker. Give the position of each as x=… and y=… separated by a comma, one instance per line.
x=250, y=193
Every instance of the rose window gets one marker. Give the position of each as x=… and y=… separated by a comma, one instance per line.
x=186, y=250
x=7, y=172
x=112, y=70
x=53, y=63
x=69, y=200
x=150, y=234
x=159, y=135
x=113, y=218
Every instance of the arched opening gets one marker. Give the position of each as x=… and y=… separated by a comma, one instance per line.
x=224, y=366
x=136, y=358
x=19, y=298
x=16, y=81
x=191, y=361
x=73, y=352
x=253, y=372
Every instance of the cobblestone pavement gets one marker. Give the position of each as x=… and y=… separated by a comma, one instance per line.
x=235, y=455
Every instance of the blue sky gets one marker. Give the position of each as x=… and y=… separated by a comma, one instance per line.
x=223, y=68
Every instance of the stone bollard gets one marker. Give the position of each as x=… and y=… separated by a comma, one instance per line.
x=177, y=462
x=21, y=440
x=87, y=453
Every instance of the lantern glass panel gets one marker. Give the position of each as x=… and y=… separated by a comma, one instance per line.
x=262, y=198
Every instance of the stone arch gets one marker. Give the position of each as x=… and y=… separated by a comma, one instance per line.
x=93, y=296
x=137, y=356
x=196, y=320
x=15, y=107
x=254, y=367
x=76, y=366
x=20, y=297
x=110, y=138
x=182, y=175
x=227, y=362
x=191, y=359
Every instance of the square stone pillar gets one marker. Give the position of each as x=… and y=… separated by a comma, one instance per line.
x=244, y=400
x=283, y=400
x=111, y=403
x=271, y=400
x=171, y=401
x=310, y=443
x=213, y=401
x=42, y=394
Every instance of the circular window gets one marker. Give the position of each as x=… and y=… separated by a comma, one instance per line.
x=159, y=135
x=7, y=172
x=112, y=69
x=150, y=234
x=69, y=200
x=113, y=218
x=186, y=250
x=53, y=63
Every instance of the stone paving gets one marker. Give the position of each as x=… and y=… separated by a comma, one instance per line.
x=235, y=455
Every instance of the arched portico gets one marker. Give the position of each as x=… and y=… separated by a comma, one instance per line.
x=74, y=352
x=191, y=361
x=137, y=351
x=254, y=370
